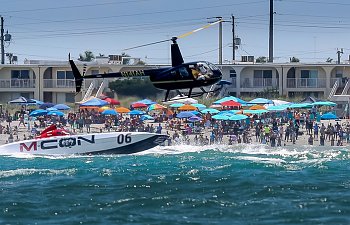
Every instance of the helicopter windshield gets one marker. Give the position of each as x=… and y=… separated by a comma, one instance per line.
x=201, y=71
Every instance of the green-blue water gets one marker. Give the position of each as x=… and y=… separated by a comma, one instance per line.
x=180, y=185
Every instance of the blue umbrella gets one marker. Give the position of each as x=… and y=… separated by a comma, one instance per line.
x=46, y=105
x=61, y=107
x=37, y=102
x=185, y=114
x=136, y=112
x=221, y=117
x=326, y=103
x=260, y=101
x=300, y=105
x=228, y=98
x=146, y=101
x=238, y=117
x=109, y=112
x=210, y=110
x=329, y=116
x=38, y=112
x=55, y=113
x=199, y=106
x=95, y=102
x=51, y=109
x=194, y=119
x=146, y=117
x=176, y=105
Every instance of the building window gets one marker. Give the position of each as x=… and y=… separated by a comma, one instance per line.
x=19, y=74
x=233, y=74
x=94, y=72
x=65, y=74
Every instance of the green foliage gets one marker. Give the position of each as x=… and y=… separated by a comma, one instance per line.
x=294, y=59
x=261, y=59
x=88, y=56
x=142, y=88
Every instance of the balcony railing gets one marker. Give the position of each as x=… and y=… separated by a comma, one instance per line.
x=306, y=83
x=341, y=81
x=259, y=83
x=59, y=83
x=17, y=83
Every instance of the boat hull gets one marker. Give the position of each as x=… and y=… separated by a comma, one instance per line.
x=87, y=144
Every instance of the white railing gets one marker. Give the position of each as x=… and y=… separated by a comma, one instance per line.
x=334, y=89
x=306, y=83
x=17, y=83
x=259, y=83
x=59, y=83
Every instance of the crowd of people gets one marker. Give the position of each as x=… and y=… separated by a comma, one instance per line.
x=273, y=128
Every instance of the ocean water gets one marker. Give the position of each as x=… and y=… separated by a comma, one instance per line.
x=243, y=184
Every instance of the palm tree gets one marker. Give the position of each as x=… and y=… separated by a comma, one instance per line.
x=88, y=56
x=261, y=59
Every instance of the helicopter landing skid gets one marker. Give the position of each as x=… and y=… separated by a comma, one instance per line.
x=190, y=94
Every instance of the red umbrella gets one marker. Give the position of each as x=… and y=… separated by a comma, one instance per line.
x=138, y=105
x=231, y=103
x=112, y=101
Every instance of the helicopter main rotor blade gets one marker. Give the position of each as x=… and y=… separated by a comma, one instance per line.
x=196, y=30
x=153, y=43
x=174, y=38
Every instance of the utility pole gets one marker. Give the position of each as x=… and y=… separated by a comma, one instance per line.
x=2, y=41
x=271, y=33
x=233, y=39
x=220, y=39
x=339, y=52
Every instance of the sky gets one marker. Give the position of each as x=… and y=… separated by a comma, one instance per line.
x=310, y=30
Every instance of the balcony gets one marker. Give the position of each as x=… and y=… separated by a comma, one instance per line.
x=259, y=83
x=17, y=83
x=306, y=83
x=59, y=83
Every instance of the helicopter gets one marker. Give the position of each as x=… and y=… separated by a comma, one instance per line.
x=180, y=75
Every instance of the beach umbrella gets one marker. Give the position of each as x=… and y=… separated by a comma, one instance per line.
x=260, y=101
x=146, y=117
x=176, y=105
x=138, y=105
x=221, y=117
x=300, y=105
x=277, y=107
x=257, y=111
x=231, y=103
x=22, y=100
x=237, y=117
x=55, y=113
x=211, y=111
x=181, y=99
x=51, y=109
x=329, y=116
x=136, y=112
x=112, y=101
x=187, y=108
x=199, y=106
x=103, y=108
x=38, y=112
x=109, y=112
x=122, y=110
x=37, y=102
x=61, y=107
x=228, y=98
x=185, y=115
x=155, y=107
x=194, y=119
x=216, y=106
x=94, y=102
x=325, y=103
x=46, y=105
x=146, y=102
x=255, y=107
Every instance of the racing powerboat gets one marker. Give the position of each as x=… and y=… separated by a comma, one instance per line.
x=61, y=142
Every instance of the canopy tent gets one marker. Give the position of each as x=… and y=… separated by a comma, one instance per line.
x=310, y=100
x=300, y=105
x=324, y=103
x=22, y=100
x=231, y=103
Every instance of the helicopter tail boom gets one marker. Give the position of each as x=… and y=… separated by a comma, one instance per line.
x=78, y=78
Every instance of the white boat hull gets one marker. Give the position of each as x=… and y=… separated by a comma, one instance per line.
x=95, y=143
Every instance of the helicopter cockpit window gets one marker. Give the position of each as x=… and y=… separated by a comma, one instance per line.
x=212, y=66
x=183, y=72
x=201, y=71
